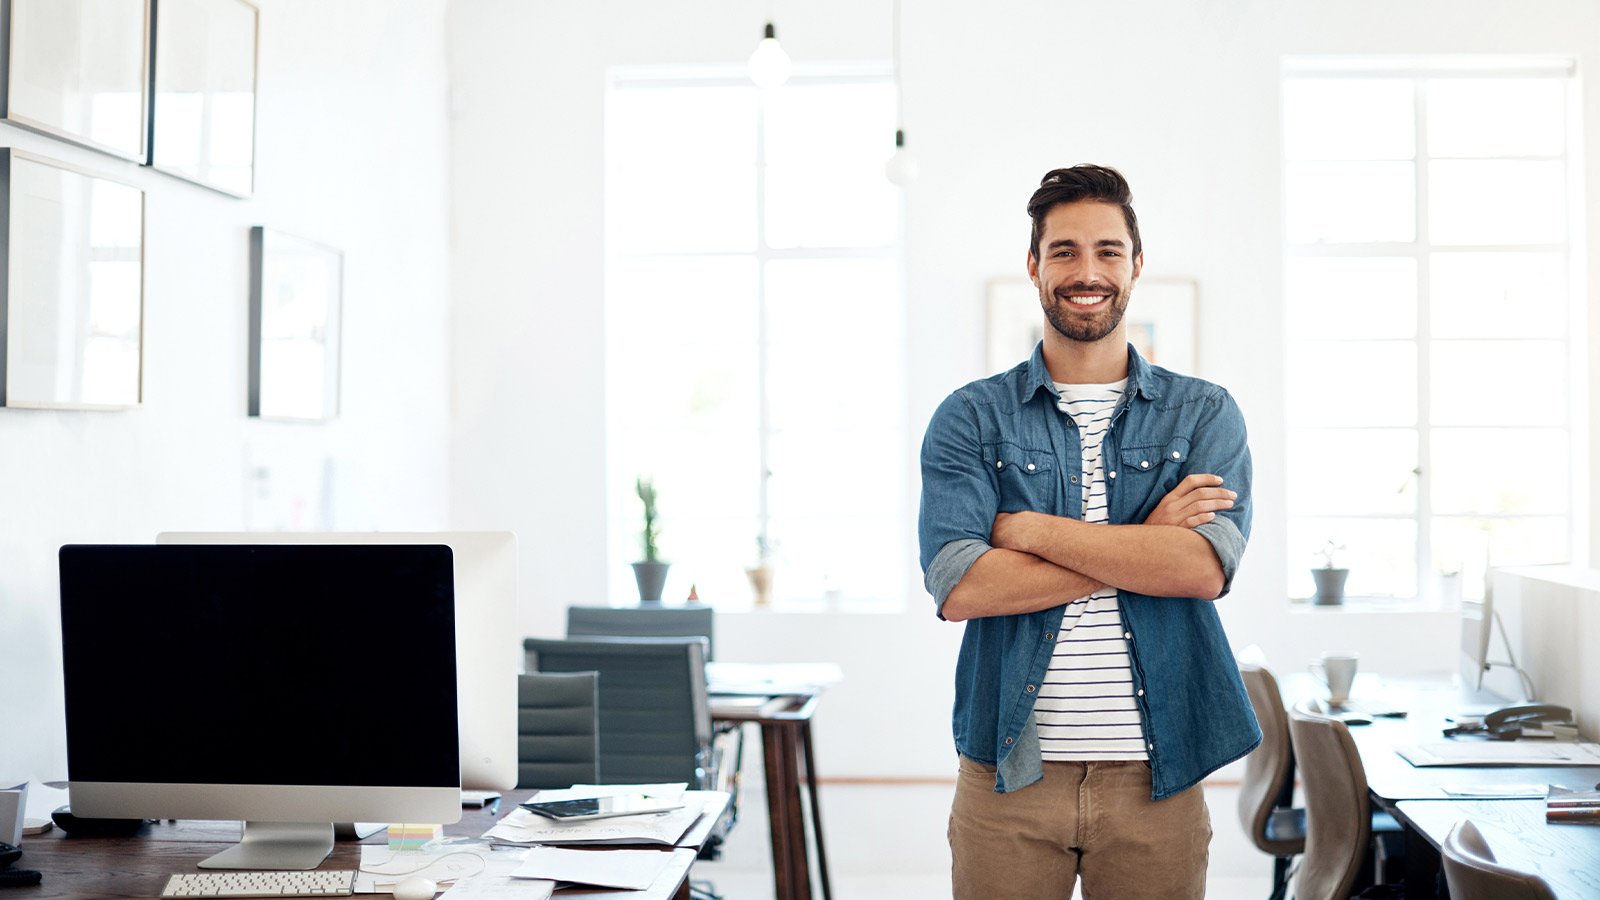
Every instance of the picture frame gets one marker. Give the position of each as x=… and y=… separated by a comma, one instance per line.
x=72, y=286
x=203, y=92
x=296, y=288
x=1160, y=322
x=78, y=70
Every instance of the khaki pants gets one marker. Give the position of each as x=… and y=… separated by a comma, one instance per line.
x=1093, y=820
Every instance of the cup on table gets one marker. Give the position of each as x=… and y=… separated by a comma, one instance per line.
x=1338, y=672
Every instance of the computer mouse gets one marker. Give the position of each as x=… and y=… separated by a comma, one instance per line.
x=415, y=888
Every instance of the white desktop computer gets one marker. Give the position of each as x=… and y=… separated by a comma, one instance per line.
x=488, y=649
x=289, y=687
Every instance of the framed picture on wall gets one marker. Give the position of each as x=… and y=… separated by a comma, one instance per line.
x=77, y=70
x=72, y=291
x=1160, y=318
x=203, y=107
x=295, y=296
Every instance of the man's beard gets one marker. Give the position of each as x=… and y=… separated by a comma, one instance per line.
x=1058, y=312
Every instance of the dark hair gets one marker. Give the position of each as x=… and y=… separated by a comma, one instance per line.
x=1082, y=182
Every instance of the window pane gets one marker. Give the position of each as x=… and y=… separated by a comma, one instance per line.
x=1469, y=546
x=1497, y=201
x=681, y=169
x=1351, y=472
x=1352, y=383
x=833, y=332
x=1348, y=119
x=1497, y=117
x=1352, y=297
x=826, y=146
x=1510, y=382
x=1499, y=295
x=1380, y=554
x=1332, y=202
x=1500, y=471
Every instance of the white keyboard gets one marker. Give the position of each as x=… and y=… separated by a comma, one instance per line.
x=313, y=883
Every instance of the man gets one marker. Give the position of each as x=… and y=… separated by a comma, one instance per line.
x=1080, y=512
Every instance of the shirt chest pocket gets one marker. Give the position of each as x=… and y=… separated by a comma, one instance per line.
x=1025, y=478
x=1152, y=470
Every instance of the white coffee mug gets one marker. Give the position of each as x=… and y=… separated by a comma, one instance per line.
x=1338, y=672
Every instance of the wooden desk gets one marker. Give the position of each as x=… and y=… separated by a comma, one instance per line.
x=83, y=868
x=1566, y=856
x=784, y=718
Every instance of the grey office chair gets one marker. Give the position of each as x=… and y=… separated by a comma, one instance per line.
x=1473, y=873
x=668, y=621
x=1266, y=795
x=655, y=723
x=1339, y=853
x=557, y=730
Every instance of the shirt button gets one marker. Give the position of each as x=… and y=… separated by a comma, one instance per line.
x=1112, y=474
x=1128, y=635
x=1030, y=467
x=1139, y=692
x=1008, y=742
x=1029, y=688
x=999, y=464
x=1049, y=635
x=1144, y=463
x=1175, y=454
x=1074, y=479
x=1150, y=746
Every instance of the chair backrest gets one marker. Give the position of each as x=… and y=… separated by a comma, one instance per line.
x=655, y=722
x=639, y=621
x=557, y=731
x=1473, y=874
x=1269, y=769
x=1338, y=814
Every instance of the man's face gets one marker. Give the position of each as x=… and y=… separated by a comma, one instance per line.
x=1085, y=270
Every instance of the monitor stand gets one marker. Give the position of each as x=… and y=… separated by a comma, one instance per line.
x=277, y=845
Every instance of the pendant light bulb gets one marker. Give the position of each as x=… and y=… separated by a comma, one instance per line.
x=902, y=166
x=769, y=65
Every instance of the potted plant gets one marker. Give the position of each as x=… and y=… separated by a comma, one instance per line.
x=650, y=572
x=760, y=574
x=1328, y=577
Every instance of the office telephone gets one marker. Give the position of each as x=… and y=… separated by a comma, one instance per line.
x=1544, y=720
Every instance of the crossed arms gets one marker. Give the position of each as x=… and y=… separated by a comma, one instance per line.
x=1037, y=559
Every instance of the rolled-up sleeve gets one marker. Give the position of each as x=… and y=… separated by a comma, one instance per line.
x=1220, y=446
x=959, y=498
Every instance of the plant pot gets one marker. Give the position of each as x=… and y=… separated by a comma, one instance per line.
x=651, y=577
x=761, y=584
x=1330, y=586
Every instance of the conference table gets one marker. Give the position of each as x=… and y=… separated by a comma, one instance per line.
x=1429, y=800
x=779, y=700
x=110, y=868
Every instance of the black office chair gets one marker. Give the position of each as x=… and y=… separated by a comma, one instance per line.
x=558, y=731
x=667, y=621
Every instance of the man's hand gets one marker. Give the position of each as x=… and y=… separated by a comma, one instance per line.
x=1011, y=531
x=1193, y=502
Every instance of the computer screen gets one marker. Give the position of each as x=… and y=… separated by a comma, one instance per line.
x=1477, y=623
x=271, y=684
x=488, y=649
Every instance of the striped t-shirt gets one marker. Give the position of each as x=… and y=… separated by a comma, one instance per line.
x=1086, y=708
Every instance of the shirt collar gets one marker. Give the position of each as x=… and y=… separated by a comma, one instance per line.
x=1142, y=378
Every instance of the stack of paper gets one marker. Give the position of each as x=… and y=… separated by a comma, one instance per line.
x=1566, y=805
x=632, y=870
x=1500, y=753
x=667, y=828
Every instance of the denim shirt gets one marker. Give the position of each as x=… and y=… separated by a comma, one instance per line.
x=1001, y=445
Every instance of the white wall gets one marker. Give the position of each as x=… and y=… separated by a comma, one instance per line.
x=1181, y=95
x=351, y=151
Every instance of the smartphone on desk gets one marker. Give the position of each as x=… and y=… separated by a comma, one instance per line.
x=602, y=807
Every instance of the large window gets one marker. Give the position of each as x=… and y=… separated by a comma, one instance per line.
x=755, y=347
x=1434, y=365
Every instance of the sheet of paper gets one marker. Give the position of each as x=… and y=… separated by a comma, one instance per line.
x=1500, y=753
x=523, y=827
x=382, y=868
x=630, y=869
x=496, y=883
x=1494, y=791
x=665, y=887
